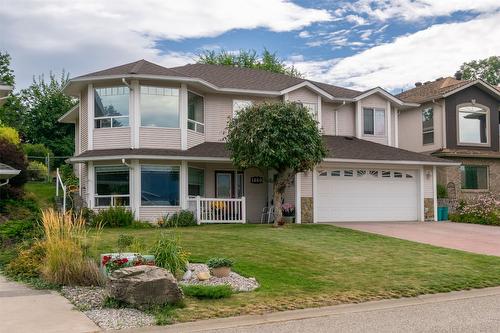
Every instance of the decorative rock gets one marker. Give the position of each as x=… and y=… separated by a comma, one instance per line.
x=203, y=275
x=144, y=285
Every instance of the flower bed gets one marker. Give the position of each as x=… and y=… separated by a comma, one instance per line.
x=113, y=261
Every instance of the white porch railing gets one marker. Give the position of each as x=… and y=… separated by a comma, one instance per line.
x=59, y=183
x=218, y=210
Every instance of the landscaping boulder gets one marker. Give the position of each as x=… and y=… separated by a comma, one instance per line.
x=144, y=285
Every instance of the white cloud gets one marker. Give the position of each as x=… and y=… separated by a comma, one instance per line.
x=356, y=19
x=412, y=10
x=425, y=55
x=304, y=34
x=86, y=35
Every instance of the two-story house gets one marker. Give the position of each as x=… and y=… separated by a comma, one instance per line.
x=151, y=138
x=457, y=120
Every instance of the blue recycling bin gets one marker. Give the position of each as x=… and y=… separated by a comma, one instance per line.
x=442, y=214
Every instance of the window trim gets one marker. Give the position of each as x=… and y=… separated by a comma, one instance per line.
x=112, y=196
x=178, y=109
x=140, y=186
x=111, y=117
x=433, y=131
x=488, y=124
x=476, y=190
x=197, y=123
x=385, y=121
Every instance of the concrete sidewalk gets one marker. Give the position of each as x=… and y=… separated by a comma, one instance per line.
x=464, y=311
x=27, y=310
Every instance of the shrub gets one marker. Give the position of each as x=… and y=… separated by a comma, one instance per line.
x=207, y=292
x=13, y=156
x=20, y=209
x=65, y=262
x=169, y=254
x=481, y=210
x=442, y=192
x=37, y=171
x=114, y=217
x=219, y=262
x=9, y=134
x=182, y=218
x=68, y=176
x=28, y=262
x=14, y=231
x=38, y=151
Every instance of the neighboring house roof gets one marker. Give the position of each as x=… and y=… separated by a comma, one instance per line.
x=465, y=153
x=440, y=88
x=7, y=171
x=339, y=148
x=4, y=91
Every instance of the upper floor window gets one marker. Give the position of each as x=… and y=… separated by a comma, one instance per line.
x=428, y=126
x=239, y=105
x=159, y=107
x=196, y=110
x=313, y=109
x=374, y=121
x=472, y=125
x=111, y=107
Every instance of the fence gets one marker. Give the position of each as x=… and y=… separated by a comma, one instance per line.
x=218, y=210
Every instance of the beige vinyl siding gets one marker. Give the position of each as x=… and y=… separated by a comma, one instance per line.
x=374, y=101
x=84, y=183
x=194, y=138
x=219, y=109
x=109, y=138
x=168, y=138
x=306, y=184
x=304, y=95
x=152, y=214
x=346, y=120
x=410, y=129
x=328, y=118
x=83, y=119
x=289, y=195
x=428, y=186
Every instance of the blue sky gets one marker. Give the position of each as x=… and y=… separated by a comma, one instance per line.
x=357, y=44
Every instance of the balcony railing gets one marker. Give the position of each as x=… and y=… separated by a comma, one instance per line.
x=218, y=210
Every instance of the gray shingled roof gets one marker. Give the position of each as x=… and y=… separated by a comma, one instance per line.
x=338, y=147
x=142, y=66
x=431, y=90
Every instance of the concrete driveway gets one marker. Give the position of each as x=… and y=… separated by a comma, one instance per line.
x=461, y=236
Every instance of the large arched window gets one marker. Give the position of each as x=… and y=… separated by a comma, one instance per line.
x=473, y=123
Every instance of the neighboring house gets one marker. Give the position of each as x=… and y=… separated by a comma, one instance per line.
x=5, y=90
x=151, y=138
x=457, y=120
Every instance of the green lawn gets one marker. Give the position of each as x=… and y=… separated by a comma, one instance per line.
x=42, y=193
x=313, y=265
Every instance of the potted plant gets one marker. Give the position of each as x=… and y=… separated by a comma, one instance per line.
x=220, y=267
x=288, y=210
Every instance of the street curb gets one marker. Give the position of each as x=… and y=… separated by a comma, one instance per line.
x=274, y=317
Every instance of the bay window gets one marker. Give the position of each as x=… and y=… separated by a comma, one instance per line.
x=427, y=126
x=160, y=185
x=112, y=186
x=159, y=107
x=374, y=121
x=196, y=110
x=472, y=125
x=111, y=107
x=474, y=177
x=196, y=182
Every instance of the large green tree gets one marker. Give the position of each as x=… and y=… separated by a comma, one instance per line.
x=487, y=69
x=6, y=73
x=267, y=61
x=279, y=136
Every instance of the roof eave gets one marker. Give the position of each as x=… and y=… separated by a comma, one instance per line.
x=350, y=160
x=70, y=116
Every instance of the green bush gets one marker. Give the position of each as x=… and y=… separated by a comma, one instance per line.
x=14, y=231
x=37, y=171
x=67, y=175
x=27, y=263
x=114, y=217
x=170, y=255
x=442, y=192
x=483, y=209
x=219, y=262
x=9, y=134
x=124, y=242
x=182, y=218
x=20, y=209
x=38, y=150
x=12, y=155
x=207, y=292
x=492, y=219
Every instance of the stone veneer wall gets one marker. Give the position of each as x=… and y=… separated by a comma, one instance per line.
x=446, y=175
x=306, y=209
x=429, y=209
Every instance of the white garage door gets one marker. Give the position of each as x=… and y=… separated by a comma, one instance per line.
x=367, y=195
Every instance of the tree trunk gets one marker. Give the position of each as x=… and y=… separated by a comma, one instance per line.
x=277, y=197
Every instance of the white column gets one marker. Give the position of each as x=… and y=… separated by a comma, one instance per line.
x=421, y=210
x=90, y=116
x=135, y=188
x=135, y=113
x=90, y=184
x=358, y=119
x=244, y=209
x=396, y=128
x=298, y=196
x=184, y=185
x=389, y=124
x=434, y=189
x=319, y=112
x=286, y=97
x=183, y=115
x=314, y=194
x=336, y=122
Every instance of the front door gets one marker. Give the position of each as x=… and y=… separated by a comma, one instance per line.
x=229, y=184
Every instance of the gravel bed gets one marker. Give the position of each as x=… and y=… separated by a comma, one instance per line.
x=85, y=298
x=114, y=319
x=237, y=282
